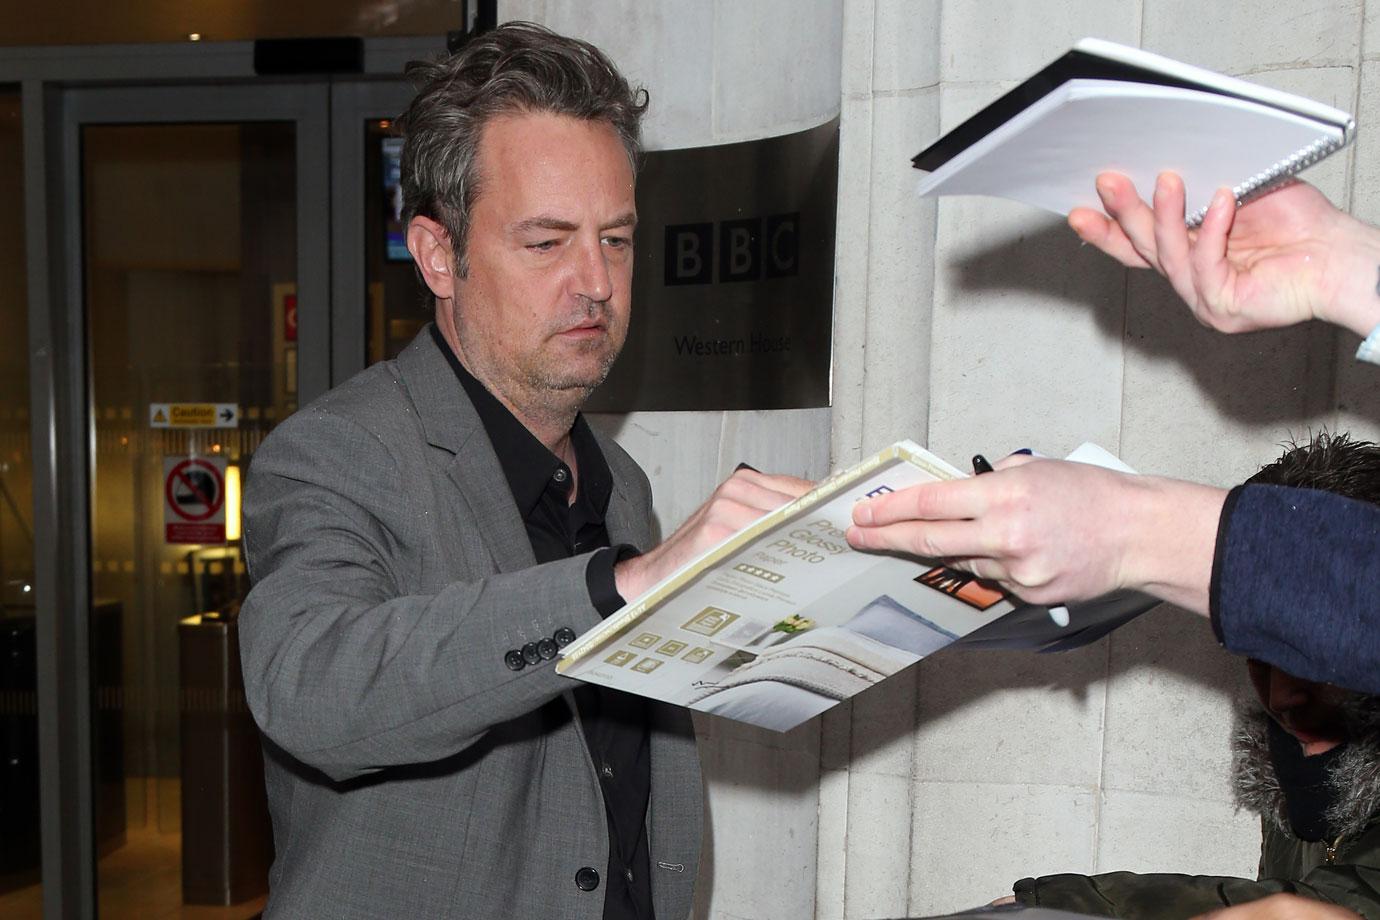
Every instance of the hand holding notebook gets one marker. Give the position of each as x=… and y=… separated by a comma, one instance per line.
x=1286, y=258
x=1107, y=107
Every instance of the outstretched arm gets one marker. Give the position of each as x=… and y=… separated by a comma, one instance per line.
x=1286, y=257
x=1295, y=585
x=1052, y=531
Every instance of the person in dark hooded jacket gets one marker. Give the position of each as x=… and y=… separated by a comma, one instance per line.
x=1307, y=760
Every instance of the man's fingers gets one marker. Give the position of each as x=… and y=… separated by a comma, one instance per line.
x=764, y=491
x=931, y=539
x=1210, y=267
x=740, y=500
x=1014, y=460
x=1095, y=229
x=779, y=482
x=986, y=569
x=743, y=498
x=1171, y=237
x=1134, y=216
x=932, y=501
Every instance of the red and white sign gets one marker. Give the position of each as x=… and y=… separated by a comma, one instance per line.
x=194, y=499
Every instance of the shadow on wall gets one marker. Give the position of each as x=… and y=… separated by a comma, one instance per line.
x=1259, y=378
x=775, y=775
x=1166, y=646
x=1173, y=644
x=1163, y=655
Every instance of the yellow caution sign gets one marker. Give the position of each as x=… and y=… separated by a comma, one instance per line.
x=194, y=415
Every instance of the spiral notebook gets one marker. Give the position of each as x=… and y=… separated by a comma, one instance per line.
x=1104, y=106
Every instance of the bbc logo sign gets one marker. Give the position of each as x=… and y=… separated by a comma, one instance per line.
x=748, y=249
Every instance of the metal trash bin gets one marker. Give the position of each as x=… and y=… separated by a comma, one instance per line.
x=227, y=838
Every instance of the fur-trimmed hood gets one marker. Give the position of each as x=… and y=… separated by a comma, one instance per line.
x=1355, y=776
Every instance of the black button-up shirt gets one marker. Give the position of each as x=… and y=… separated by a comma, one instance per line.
x=614, y=723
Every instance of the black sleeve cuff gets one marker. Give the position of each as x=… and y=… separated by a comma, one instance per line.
x=1218, y=554
x=1027, y=892
x=603, y=590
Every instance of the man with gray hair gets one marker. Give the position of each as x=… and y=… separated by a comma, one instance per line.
x=424, y=538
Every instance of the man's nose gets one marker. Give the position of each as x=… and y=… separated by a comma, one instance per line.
x=592, y=277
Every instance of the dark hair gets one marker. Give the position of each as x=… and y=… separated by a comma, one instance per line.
x=1331, y=463
x=517, y=67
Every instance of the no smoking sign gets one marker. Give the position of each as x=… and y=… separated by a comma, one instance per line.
x=194, y=499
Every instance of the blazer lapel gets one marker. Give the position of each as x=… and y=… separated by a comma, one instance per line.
x=626, y=520
x=476, y=473
x=452, y=425
x=620, y=519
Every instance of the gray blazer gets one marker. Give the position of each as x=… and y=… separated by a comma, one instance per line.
x=410, y=773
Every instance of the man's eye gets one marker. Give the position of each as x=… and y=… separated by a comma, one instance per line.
x=617, y=242
x=543, y=246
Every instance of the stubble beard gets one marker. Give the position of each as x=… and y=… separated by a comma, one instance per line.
x=580, y=380
x=555, y=391
x=552, y=378
x=548, y=386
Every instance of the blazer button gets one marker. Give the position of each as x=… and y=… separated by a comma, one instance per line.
x=547, y=649
x=564, y=636
x=514, y=660
x=587, y=879
x=530, y=653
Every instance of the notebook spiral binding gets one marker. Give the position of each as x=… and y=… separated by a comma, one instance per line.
x=1276, y=175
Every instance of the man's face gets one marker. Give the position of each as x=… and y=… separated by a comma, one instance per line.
x=543, y=311
x=1309, y=711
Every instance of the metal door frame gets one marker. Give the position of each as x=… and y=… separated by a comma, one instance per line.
x=61, y=89
x=306, y=107
x=352, y=104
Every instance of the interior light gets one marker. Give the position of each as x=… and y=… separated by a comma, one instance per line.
x=232, y=503
x=193, y=36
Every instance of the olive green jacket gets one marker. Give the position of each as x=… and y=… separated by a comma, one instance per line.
x=1344, y=872
x=1349, y=877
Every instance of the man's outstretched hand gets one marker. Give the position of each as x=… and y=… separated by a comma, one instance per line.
x=738, y=501
x=1052, y=531
x=1286, y=257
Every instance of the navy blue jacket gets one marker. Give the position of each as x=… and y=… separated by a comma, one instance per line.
x=1296, y=583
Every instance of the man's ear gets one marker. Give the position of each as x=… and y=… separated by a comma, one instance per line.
x=430, y=247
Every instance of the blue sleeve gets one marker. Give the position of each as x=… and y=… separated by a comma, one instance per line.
x=1296, y=583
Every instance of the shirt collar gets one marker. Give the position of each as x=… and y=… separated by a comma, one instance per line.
x=528, y=464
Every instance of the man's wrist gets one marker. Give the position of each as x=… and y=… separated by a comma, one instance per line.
x=628, y=576
x=601, y=580
x=1353, y=301
x=1170, y=539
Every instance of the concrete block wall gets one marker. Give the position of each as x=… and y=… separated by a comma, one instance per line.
x=978, y=325
x=1115, y=756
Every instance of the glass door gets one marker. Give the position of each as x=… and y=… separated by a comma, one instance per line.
x=203, y=273
x=20, y=838
x=377, y=305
